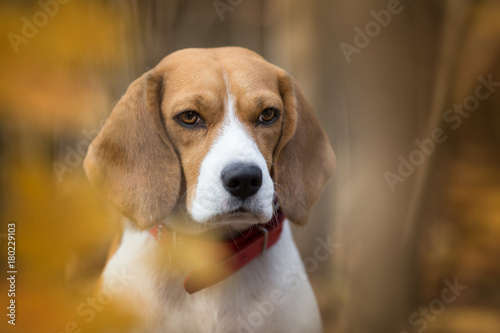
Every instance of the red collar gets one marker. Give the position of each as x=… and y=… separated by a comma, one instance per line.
x=217, y=260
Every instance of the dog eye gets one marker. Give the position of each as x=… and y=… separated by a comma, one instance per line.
x=189, y=117
x=268, y=115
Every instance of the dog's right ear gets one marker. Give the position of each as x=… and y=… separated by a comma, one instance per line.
x=132, y=163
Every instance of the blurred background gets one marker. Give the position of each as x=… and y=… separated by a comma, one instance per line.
x=406, y=90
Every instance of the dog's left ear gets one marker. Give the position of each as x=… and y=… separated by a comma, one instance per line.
x=304, y=159
x=132, y=162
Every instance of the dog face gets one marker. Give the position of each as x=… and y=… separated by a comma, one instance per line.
x=220, y=131
x=225, y=125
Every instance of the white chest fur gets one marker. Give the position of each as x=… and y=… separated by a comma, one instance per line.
x=271, y=294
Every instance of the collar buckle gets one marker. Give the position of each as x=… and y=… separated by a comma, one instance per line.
x=161, y=230
x=265, y=232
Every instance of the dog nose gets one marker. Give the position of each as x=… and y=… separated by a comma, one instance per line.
x=242, y=180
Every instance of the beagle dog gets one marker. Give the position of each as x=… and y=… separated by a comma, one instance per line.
x=208, y=156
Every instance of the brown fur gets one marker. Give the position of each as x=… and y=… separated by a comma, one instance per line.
x=143, y=160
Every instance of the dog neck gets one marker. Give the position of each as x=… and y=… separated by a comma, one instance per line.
x=208, y=259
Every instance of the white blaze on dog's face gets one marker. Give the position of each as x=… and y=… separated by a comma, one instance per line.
x=225, y=133
x=220, y=131
x=234, y=152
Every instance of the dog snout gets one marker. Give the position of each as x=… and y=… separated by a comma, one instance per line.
x=242, y=180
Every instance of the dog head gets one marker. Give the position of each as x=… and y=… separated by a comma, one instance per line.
x=220, y=131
